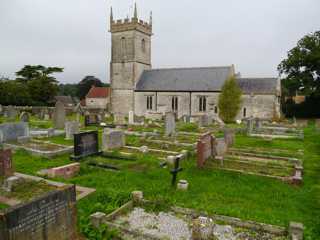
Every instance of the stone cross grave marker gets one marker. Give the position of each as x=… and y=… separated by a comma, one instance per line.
x=85, y=144
x=71, y=128
x=170, y=124
x=24, y=117
x=59, y=115
x=6, y=169
x=112, y=139
x=131, y=117
x=176, y=170
x=204, y=149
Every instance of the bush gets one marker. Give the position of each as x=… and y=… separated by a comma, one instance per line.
x=229, y=100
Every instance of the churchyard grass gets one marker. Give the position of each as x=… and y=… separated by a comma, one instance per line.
x=3, y=206
x=214, y=191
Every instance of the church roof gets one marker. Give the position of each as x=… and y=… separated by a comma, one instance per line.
x=258, y=85
x=184, y=79
x=206, y=79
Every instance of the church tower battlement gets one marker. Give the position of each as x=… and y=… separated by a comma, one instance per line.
x=130, y=56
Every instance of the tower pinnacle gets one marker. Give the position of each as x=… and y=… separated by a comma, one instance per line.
x=111, y=15
x=150, y=18
x=135, y=16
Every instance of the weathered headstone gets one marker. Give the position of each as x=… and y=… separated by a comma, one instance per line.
x=71, y=128
x=91, y=120
x=112, y=139
x=59, y=115
x=203, y=120
x=11, y=131
x=249, y=125
x=229, y=136
x=85, y=144
x=170, y=124
x=6, y=168
x=204, y=149
x=119, y=119
x=11, y=112
x=24, y=117
x=219, y=147
x=50, y=217
x=131, y=117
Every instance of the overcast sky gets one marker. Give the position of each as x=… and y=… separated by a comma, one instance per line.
x=255, y=35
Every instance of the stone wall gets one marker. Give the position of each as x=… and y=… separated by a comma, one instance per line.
x=100, y=103
x=261, y=106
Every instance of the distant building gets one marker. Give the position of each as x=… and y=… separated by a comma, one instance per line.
x=186, y=91
x=98, y=97
x=67, y=101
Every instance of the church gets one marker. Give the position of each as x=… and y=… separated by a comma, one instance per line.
x=137, y=87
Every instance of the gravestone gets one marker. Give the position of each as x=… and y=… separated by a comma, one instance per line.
x=24, y=117
x=50, y=217
x=203, y=120
x=91, y=120
x=71, y=128
x=85, y=144
x=11, y=112
x=59, y=115
x=258, y=123
x=131, y=117
x=112, y=139
x=66, y=171
x=219, y=147
x=186, y=118
x=204, y=149
x=170, y=124
x=249, y=125
x=229, y=136
x=6, y=169
x=11, y=131
x=119, y=119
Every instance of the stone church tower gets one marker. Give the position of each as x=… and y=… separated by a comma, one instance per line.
x=131, y=55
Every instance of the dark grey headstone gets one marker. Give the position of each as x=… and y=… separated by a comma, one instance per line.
x=86, y=144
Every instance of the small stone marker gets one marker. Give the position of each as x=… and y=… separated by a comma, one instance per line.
x=183, y=185
x=170, y=124
x=6, y=168
x=296, y=231
x=24, y=117
x=137, y=197
x=85, y=144
x=229, y=136
x=204, y=149
x=175, y=171
x=71, y=128
x=113, y=139
x=131, y=118
x=97, y=219
x=59, y=115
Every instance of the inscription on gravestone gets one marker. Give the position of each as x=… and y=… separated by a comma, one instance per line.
x=85, y=144
x=50, y=217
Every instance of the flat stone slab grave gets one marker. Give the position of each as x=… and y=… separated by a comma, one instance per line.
x=134, y=222
x=41, y=148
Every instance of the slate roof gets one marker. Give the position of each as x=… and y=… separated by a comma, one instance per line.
x=258, y=85
x=207, y=79
x=184, y=79
x=98, y=92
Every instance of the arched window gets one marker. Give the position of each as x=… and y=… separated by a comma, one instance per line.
x=244, y=112
x=143, y=45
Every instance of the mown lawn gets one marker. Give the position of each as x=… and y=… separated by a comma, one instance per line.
x=215, y=191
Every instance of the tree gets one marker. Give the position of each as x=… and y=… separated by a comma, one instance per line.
x=14, y=93
x=229, y=100
x=68, y=89
x=85, y=84
x=301, y=68
x=42, y=86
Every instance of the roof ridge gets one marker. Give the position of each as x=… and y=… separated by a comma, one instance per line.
x=188, y=68
x=257, y=78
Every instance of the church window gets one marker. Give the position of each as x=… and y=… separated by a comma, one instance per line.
x=149, y=102
x=202, y=104
x=215, y=109
x=174, y=103
x=143, y=45
x=244, y=112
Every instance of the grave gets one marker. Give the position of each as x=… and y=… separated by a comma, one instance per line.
x=229, y=136
x=24, y=117
x=174, y=172
x=71, y=128
x=219, y=147
x=170, y=124
x=66, y=171
x=11, y=112
x=119, y=119
x=49, y=217
x=203, y=121
x=131, y=118
x=204, y=149
x=91, y=120
x=11, y=131
x=59, y=115
x=112, y=139
x=6, y=168
x=85, y=144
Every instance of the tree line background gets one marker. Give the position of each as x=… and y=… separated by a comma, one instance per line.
x=38, y=86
